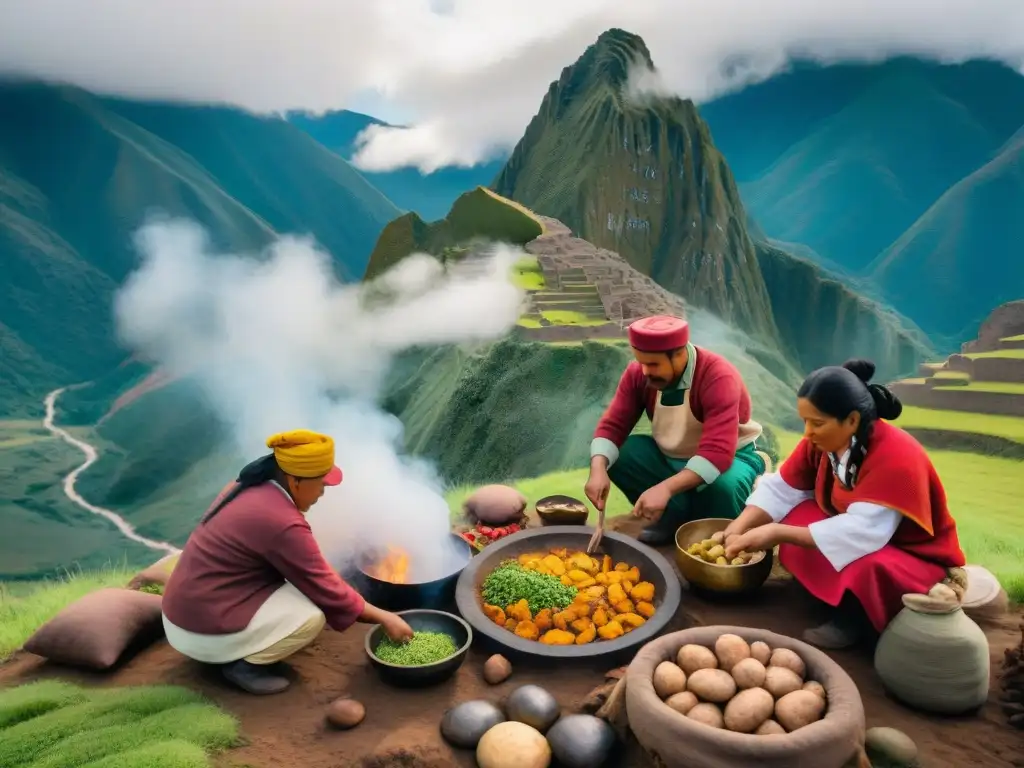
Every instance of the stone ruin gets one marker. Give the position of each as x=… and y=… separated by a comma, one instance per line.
x=596, y=282
x=994, y=358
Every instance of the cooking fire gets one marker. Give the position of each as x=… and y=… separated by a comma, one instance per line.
x=393, y=567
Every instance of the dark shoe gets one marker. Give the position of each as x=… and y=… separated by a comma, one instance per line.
x=657, y=535
x=254, y=678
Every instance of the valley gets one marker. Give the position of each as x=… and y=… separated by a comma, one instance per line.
x=620, y=209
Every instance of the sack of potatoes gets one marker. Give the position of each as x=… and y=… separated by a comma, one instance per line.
x=707, y=697
x=742, y=687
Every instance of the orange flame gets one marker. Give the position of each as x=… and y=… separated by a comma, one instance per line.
x=393, y=567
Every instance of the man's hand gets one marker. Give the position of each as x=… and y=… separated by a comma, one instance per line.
x=764, y=537
x=597, y=487
x=396, y=628
x=652, y=502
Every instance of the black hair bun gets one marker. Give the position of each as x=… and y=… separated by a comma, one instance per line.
x=862, y=369
x=888, y=406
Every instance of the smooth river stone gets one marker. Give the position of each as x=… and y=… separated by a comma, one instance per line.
x=534, y=706
x=464, y=724
x=581, y=741
x=891, y=744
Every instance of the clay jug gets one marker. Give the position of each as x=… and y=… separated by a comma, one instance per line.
x=934, y=657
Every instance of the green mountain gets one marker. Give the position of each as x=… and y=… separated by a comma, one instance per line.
x=429, y=195
x=642, y=180
x=845, y=160
x=78, y=174
x=978, y=217
x=646, y=181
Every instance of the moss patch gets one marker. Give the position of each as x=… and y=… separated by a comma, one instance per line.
x=51, y=724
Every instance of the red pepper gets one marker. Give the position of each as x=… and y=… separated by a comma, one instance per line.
x=485, y=530
x=514, y=528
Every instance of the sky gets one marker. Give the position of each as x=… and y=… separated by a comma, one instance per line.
x=463, y=76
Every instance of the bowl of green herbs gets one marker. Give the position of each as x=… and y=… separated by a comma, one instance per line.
x=438, y=647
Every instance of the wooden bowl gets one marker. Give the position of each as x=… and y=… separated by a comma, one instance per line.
x=717, y=579
x=562, y=510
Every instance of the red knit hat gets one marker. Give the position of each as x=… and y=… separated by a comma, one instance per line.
x=660, y=333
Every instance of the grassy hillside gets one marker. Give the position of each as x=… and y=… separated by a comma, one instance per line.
x=802, y=293
x=843, y=161
x=970, y=244
x=476, y=214
x=79, y=174
x=427, y=195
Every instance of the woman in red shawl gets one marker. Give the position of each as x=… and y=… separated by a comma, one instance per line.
x=857, y=507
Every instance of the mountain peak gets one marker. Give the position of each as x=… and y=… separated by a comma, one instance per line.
x=612, y=56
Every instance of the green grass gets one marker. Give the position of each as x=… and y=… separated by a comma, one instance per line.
x=1007, y=427
x=984, y=498
x=1019, y=337
x=951, y=375
x=999, y=387
x=1016, y=354
x=527, y=274
x=52, y=724
x=26, y=606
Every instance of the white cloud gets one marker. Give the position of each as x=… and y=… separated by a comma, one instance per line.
x=473, y=72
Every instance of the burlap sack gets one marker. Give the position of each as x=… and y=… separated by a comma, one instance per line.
x=681, y=743
x=95, y=631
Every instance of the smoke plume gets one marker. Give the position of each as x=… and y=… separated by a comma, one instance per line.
x=277, y=343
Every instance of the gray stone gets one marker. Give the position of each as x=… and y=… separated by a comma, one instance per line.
x=891, y=744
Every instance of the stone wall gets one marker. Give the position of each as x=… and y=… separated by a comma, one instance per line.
x=1006, y=320
x=960, y=399
x=1006, y=369
x=573, y=332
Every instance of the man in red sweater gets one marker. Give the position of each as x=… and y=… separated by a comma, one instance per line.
x=700, y=458
x=251, y=587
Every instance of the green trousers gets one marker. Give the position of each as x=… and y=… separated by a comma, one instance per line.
x=642, y=465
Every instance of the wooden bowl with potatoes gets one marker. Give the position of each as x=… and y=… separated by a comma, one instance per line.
x=707, y=570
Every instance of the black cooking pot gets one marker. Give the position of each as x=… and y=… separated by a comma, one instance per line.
x=437, y=594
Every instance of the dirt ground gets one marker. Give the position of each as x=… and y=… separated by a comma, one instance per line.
x=401, y=727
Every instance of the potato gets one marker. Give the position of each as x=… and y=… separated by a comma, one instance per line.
x=716, y=551
x=779, y=681
x=714, y=685
x=708, y=714
x=692, y=657
x=761, y=651
x=668, y=679
x=799, y=708
x=749, y=673
x=682, y=702
x=770, y=728
x=718, y=537
x=748, y=709
x=345, y=713
x=730, y=649
x=815, y=687
x=497, y=669
x=783, y=657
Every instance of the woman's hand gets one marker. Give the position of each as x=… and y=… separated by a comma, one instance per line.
x=396, y=628
x=652, y=502
x=759, y=539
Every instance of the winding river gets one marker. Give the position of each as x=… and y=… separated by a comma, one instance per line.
x=91, y=455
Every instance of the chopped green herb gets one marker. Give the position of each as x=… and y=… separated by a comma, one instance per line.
x=509, y=583
x=423, y=648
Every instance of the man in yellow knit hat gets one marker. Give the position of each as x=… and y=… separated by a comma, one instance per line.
x=251, y=586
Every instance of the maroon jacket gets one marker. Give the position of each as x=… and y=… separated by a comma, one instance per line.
x=243, y=554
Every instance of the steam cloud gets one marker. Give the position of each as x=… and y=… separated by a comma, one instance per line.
x=277, y=343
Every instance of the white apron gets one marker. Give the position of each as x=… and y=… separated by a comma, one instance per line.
x=677, y=431
x=281, y=615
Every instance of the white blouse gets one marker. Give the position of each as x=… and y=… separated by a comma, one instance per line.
x=863, y=529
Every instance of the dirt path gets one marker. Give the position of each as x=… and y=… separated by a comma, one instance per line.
x=91, y=455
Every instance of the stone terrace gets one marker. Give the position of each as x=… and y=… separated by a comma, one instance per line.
x=987, y=376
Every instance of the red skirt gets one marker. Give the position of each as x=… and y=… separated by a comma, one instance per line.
x=878, y=580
